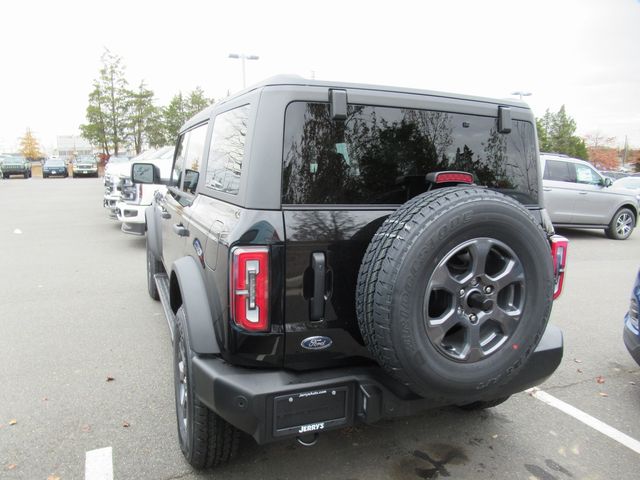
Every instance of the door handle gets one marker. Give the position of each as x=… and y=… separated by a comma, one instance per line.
x=319, y=267
x=582, y=193
x=181, y=230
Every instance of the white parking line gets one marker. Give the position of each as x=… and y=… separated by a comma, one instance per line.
x=98, y=464
x=587, y=419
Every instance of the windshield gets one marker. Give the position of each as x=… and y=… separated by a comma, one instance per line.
x=54, y=163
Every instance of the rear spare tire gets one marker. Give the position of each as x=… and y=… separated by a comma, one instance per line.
x=454, y=293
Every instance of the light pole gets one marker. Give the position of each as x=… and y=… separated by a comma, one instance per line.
x=243, y=57
x=521, y=94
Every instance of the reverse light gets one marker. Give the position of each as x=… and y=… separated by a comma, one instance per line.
x=559, y=246
x=249, y=287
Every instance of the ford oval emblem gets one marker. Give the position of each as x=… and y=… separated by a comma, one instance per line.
x=316, y=343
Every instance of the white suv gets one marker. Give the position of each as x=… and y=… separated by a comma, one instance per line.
x=136, y=197
x=577, y=195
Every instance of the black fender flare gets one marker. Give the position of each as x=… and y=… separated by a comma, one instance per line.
x=196, y=307
x=154, y=231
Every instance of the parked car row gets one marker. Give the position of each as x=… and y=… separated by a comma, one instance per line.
x=577, y=195
x=126, y=201
x=52, y=167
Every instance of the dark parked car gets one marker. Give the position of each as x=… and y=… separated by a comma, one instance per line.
x=631, y=328
x=331, y=253
x=16, y=166
x=54, y=167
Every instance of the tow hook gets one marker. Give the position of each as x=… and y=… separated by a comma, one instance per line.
x=308, y=440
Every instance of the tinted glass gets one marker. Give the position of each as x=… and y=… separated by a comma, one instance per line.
x=193, y=157
x=559, y=171
x=227, y=150
x=380, y=155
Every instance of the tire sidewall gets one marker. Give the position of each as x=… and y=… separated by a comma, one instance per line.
x=614, y=221
x=425, y=366
x=185, y=434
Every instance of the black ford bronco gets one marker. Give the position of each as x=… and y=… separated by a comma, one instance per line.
x=331, y=253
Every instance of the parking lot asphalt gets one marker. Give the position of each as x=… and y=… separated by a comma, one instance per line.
x=86, y=364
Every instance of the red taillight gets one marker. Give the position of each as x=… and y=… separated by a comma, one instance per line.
x=450, y=177
x=250, y=288
x=559, y=246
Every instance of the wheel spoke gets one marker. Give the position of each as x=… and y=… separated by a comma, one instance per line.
x=508, y=321
x=473, y=350
x=479, y=250
x=512, y=273
x=439, y=328
x=443, y=280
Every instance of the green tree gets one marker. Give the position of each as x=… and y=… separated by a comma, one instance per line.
x=95, y=130
x=180, y=109
x=556, y=133
x=107, y=113
x=29, y=147
x=141, y=117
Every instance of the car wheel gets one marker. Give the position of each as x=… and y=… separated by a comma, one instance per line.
x=25, y=175
x=154, y=266
x=454, y=293
x=206, y=440
x=622, y=224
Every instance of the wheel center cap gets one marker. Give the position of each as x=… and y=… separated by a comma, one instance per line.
x=478, y=301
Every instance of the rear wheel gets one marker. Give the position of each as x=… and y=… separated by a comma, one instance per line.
x=454, y=293
x=622, y=224
x=205, y=438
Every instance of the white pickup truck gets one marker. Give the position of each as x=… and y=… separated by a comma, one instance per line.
x=135, y=197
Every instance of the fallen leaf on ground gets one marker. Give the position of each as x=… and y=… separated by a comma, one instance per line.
x=579, y=370
x=494, y=436
x=11, y=466
x=53, y=477
x=13, y=421
x=110, y=378
x=632, y=383
x=602, y=394
x=600, y=379
x=44, y=399
x=86, y=428
x=126, y=424
x=577, y=360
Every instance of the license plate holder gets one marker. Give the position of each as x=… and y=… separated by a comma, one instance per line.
x=312, y=411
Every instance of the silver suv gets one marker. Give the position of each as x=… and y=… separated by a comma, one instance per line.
x=577, y=195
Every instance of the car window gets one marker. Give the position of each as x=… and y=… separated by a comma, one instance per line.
x=193, y=158
x=178, y=164
x=559, y=171
x=226, y=152
x=380, y=155
x=587, y=175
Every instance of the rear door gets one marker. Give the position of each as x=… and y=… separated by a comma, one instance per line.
x=341, y=180
x=560, y=190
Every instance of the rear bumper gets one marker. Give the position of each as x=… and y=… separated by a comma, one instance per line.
x=263, y=403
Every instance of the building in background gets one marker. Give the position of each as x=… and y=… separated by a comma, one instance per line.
x=71, y=146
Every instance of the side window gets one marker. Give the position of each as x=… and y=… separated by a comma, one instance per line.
x=588, y=175
x=226, y=152
x=559, y=171
x=178, y=165
x=193, y=158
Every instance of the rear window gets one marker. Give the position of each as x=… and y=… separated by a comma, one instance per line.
x=380, y=155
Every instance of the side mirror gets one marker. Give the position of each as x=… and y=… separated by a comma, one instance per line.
x=146, y=173
x=607, y=182
x=191, y=178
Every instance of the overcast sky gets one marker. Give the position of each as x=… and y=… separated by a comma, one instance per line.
x=584, y=54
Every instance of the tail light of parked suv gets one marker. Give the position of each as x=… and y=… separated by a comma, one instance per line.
x=249, y=287
x=559, y=246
